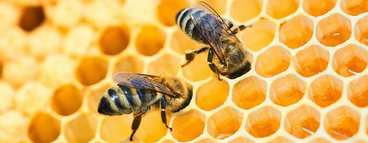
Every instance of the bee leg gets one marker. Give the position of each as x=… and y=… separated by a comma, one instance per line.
x=189, y=56
x=135, y=125
x=212, y=65
x=240, y=28
x=163, y=112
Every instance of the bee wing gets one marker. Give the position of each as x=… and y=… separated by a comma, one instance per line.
x=219, y=30
x=145, y=82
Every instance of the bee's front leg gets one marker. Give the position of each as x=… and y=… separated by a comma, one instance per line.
x=135, y=125
x=240, y=28
x=189, y=55
x=163, y=112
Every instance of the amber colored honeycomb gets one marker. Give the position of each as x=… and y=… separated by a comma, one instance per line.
x=308, y=82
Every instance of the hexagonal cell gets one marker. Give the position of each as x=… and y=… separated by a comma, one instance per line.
x=57, y=70
x=263, y=122
x=6, y=96
x=358, y=92
x=296, y=31
x=198, y=65
x=150, y=40
x=306, y=59
x=188, y=126
x=354, y=7
x=287, y=90
x=80, y=129
x=151, y=128
x=280, y=139
x=44, y=41
x=31, y=18
x=116, y=128
x=302, y=121
x=65, y=14
x=94, y=96
x=281, y=8
x=241, y=140
x=212, y=94
x=224, y=123
x=318, y=8
x=360, y=141
x=32, y=97
x=114, y=39
x=129, y=63
x=350, y=60
x=78, y=40
x=325, y=90
x=164, y=65
x=273, y=61
x=91, y=70
x=361, y=30
x=14, y=126
x=244, y=10
x=44, y=128
x=13, y=71
x=206, y=140
x=319, y=140
x=259, y=35
x=66, y=100
x=333, y=30
x=342, y=123
x=249, y=92
x=167, y=9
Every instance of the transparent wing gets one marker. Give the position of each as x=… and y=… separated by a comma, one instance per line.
x=145, y=82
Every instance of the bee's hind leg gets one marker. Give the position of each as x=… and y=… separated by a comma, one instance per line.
x=163, y=112
x=135, y=125
x=189, y=56
x=212, y=65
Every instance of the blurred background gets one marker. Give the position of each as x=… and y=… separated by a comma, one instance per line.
x=308, y=81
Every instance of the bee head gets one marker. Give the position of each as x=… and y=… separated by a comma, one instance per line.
x=184, y=92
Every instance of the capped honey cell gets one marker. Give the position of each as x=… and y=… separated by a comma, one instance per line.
x=150, y=40
x=14, y=127
x=318, y=7
x=281, y=8
x=272, y=61
x=80, y=129
x=333, y=30
x=224, y=123
x=358, y=91
x=259, y=35
x=212, y=94
x=354, y=7
x=287, y=90
x=91, y=69
x=296, y=31
x=306, y=59
x=249, y=92
x=350, y=60
x=167, y=10
x=188, y=126
x=66, y=100
x=128, y=63
x=361, y=30
x=44, y=128
x=31, y=18
x=342, y=123
x=325, y=90
x=263, y=122
x=114, y=39
x=303, y=121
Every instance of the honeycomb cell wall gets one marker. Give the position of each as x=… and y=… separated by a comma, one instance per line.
x=308, y=82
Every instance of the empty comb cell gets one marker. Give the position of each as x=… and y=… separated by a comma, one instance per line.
x=263, y=122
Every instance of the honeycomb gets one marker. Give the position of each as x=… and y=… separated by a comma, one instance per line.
x=308, y=81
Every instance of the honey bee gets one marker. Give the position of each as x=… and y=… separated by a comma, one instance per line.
x=137, y=93
x=207, y=27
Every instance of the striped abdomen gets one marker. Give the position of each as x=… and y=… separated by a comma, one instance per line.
x=124, y=100
x=186, y=23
